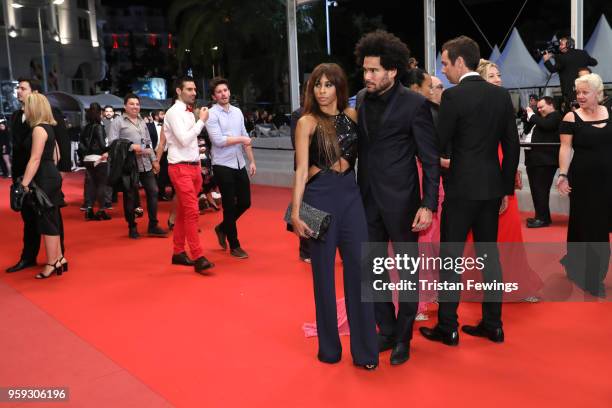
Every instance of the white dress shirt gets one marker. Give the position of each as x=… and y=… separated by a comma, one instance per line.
x=181, y=131
x=158, y=128
x=468, y=74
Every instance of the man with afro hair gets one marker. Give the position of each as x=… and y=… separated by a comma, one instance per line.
x=395, y=126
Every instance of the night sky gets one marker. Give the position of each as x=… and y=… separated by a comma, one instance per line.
x=539, y=20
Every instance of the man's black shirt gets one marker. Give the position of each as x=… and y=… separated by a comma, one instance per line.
x=375, y=108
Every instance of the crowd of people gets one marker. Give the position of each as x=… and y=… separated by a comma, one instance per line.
x=200, y=159
x=410, y=162
x=263, y=117
x=439, y=165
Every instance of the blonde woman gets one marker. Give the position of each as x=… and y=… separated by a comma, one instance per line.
x=509, y=229
x=587, y=178
x=42, y=170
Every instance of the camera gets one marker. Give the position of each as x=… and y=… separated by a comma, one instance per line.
x=551, y=47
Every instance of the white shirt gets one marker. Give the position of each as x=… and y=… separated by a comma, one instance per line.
x=181, y=131
x=471, y=73
x=158, y=128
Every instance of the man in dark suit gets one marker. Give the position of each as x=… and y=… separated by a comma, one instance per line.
x=542, y=162
x=395, y=126
x=20, y=131
x=152, y=134
x=154, y=126
x=567, y=63
x=475, y=117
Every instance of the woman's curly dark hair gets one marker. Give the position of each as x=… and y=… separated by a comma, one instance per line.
x=393, y=53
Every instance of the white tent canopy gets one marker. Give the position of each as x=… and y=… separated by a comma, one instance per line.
x=554, y=79
x=495, y=54
x=78, y=103
x=518, y=68
x=600, y=48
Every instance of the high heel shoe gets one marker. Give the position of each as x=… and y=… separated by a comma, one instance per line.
x=170, y=225
x=62, y=266
x=56, y=270
x=367, y=367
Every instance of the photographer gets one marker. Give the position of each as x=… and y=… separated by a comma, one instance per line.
x=542, y=161
x=567, y=63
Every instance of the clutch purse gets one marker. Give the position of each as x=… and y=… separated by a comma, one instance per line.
x=318, y=221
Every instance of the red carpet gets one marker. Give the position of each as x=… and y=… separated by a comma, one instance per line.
x=124, y=328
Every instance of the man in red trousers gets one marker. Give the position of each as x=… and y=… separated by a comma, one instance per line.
x=181, y=131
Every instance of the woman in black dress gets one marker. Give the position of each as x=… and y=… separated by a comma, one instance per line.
x=43, y=171
x=326, y=150
x=587, y=178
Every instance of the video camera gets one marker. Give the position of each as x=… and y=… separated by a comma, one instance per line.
x=551, y=47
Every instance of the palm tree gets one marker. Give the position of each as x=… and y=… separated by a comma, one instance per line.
x=250, y=36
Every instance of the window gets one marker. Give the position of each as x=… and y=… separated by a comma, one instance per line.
x=84, y=33
x=29, y=18
x=83, y=4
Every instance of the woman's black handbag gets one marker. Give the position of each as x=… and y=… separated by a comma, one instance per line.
x=18, y=194
x=318, y=221
x=39, y=198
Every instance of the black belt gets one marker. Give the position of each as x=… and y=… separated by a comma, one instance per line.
x=195, y=163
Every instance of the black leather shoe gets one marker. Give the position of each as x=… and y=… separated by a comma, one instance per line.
x=496, y=336
x=239, y=253
x=133, y=233
x=435, y=334
x=400, y=353
x=22, y=264
x=201, y=265
x=536, y=223
x=89, y=214
x=182, y=259
x=101, y=215
x=156, y=231
x=221, y=237
x=385, y=342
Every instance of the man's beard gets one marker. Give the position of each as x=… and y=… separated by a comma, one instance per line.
x=385, y=84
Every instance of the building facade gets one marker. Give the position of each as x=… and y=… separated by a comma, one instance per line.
x=71, y=32
x=137, y=44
